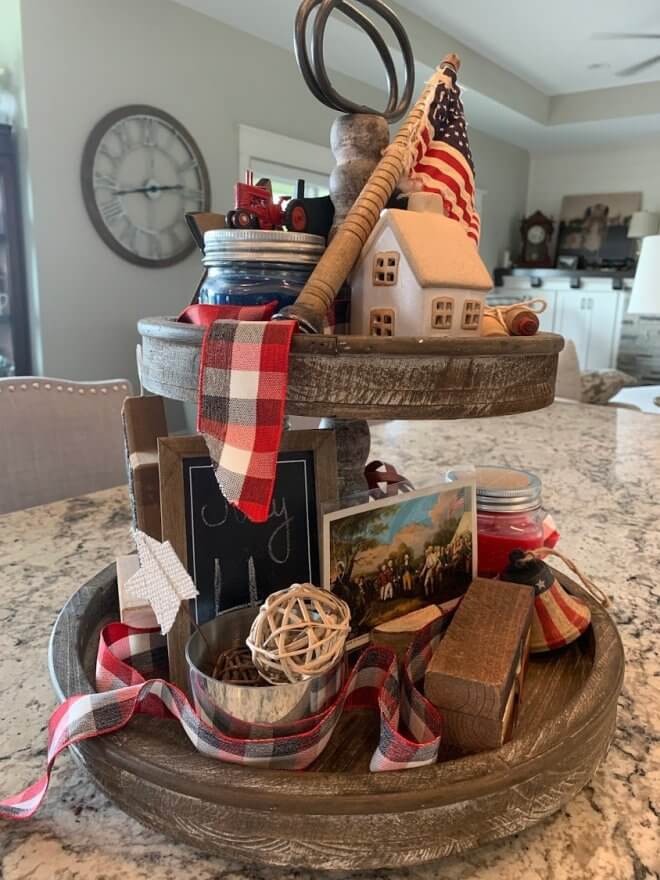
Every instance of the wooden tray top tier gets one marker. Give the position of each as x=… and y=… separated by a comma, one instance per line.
x=337, y=814
x=366, y=377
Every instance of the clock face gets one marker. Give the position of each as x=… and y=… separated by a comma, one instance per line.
x=141, y=173
x=536, y=234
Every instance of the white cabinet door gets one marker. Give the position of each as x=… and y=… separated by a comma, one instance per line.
x=605, y=326
x=574, y=321
x=547, y=319
x=591, y=317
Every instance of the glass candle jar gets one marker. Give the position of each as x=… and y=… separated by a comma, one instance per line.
x=254, y=267
x=510, y=516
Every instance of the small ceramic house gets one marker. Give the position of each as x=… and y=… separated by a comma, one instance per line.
x=418, y=275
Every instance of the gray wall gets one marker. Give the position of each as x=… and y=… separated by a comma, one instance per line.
x=502, y=170
x=83, y=58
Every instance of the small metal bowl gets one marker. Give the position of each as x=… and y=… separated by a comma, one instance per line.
x=215, y=699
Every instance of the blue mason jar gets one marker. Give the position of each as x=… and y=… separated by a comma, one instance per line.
x=254, y=267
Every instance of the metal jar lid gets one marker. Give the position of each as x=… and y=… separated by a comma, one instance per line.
x=507, y=490
x=269, y=246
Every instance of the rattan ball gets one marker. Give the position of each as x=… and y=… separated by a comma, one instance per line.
x=235, y=666
x=298, y=633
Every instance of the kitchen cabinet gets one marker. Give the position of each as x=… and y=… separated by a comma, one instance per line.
x=591, y=319
x=588, y=311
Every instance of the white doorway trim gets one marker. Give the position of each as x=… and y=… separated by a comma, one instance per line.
x=256, y=144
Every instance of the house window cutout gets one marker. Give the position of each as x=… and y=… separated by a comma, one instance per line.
x=386, y=269
x=381, y=322
x=442, y=313
x=471, y=314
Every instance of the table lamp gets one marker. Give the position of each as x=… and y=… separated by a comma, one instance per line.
x=645, y=298
x=643, y=223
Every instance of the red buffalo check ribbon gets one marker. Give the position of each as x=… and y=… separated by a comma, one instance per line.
x=410, y=726
x=242, y=391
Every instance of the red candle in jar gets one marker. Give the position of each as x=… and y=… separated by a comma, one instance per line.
x=510, y=516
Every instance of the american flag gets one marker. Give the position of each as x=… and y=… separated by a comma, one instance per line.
x=441, y=161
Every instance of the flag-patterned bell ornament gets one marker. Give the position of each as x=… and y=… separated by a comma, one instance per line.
x=559, y=618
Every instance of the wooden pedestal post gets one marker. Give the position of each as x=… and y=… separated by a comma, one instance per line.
x=357, y=141
x=353, y=443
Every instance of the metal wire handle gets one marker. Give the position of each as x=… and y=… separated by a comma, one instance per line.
x=315, y=72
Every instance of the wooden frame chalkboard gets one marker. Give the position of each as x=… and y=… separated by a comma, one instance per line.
x=186, y=479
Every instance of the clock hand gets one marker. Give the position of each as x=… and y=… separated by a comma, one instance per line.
x=146, y=189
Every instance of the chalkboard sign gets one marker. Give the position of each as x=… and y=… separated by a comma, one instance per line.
x=232, y=560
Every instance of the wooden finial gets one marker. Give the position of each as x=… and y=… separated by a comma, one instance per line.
x=453, y=59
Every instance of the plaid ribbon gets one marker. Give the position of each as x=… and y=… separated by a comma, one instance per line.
x=204, y=314
x=410, y=726
x=242, y=390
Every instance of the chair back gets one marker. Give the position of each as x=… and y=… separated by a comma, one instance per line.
x=59, y=439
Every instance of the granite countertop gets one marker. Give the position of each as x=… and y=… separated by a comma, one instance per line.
x=600, y=468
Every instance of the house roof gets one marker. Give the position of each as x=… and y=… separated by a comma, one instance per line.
x=437, y=249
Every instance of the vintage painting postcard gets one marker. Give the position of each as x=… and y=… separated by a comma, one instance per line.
x=389, y=557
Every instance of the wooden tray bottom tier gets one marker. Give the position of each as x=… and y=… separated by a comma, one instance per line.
x=363, y=377
x=337, y=815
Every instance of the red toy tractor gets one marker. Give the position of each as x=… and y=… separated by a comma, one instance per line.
x=255, y=208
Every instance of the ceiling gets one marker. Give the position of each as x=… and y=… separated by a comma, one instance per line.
x=525, y=65
x=549, y=43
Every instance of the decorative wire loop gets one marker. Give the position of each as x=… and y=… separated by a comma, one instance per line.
x=315, y=72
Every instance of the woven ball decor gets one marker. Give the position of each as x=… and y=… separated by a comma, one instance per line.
x=235, y=666
x=299, y=633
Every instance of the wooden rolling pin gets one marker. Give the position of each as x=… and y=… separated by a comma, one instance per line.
x=518, y=319
x=343, y=251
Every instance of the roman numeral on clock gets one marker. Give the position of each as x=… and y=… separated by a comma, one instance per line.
x=111, y=211
x=104, y=181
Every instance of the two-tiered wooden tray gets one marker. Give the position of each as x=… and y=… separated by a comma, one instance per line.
x=337, y=814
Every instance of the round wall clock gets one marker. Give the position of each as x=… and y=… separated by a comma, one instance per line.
x=141, y=172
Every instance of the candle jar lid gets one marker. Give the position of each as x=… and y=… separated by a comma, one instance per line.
x=260, y=245
x=507, y=490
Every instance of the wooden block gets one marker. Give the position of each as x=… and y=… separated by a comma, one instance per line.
x=475, y=677
x=144, y=422
x=399, y=633
x=132, y=611
x=146, y=493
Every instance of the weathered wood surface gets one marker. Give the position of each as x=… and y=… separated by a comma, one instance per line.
x=363, y=377
x=338, y=815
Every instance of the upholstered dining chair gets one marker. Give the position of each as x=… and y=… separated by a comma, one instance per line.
x=59, y=439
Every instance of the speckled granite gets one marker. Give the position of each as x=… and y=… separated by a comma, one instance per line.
x=601, y=472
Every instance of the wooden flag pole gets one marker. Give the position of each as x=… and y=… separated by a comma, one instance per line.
x=344, y=249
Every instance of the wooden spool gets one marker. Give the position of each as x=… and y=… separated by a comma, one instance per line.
x=337, y=815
